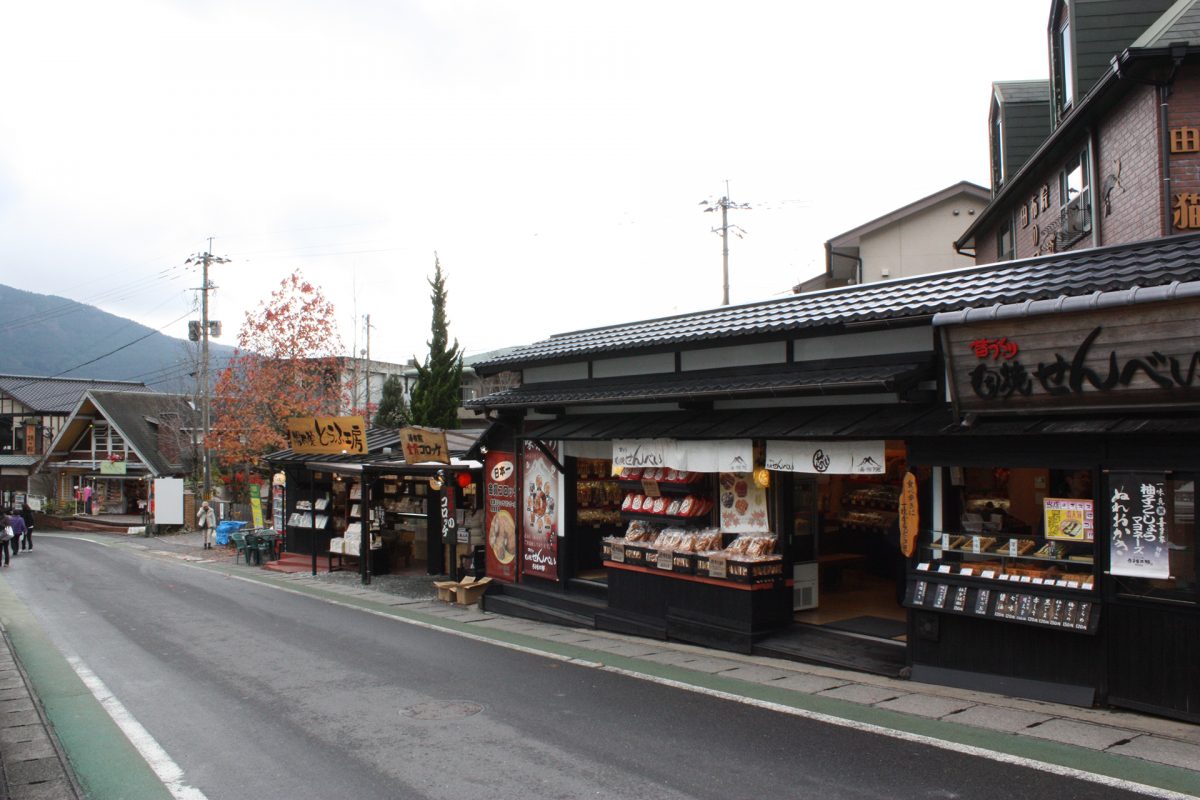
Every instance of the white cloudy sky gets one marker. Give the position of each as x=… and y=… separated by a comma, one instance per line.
x=552, y=153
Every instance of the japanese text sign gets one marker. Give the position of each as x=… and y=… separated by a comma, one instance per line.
x=424, y=445
x=328, y=435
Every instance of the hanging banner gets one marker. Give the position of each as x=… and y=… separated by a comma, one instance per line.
x=1069, y=520
x=1140, y=526
x=910, y=515
x=722, y=455
x=327, y=435
x=256, y=514
x=500, y=515
x=743, y=504
x=539, y=519
x=826, y=458
x=112, y=467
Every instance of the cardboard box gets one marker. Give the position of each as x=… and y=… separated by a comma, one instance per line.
x=446, y=590
x=469, y=590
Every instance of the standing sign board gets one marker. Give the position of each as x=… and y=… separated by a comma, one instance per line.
x=256, y=505
x=500, y=515
x=168, y=501
x=1141, y=529
x=910, y=514
x=539, y=518
x=424, y=445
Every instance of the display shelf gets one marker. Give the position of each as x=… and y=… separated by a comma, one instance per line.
x=1025, y=604
x=664, y=518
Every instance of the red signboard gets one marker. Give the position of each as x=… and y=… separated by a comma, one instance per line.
x=539, y=517
x=500, y=515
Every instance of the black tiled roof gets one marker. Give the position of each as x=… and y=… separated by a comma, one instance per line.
x=765, y=381
x=135, y=414
x=59, y=395
x=1153, y=263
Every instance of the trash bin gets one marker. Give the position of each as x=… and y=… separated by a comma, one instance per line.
x=227, y=527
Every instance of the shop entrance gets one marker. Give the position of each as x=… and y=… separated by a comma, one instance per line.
x=598, y=496
x=845, y=548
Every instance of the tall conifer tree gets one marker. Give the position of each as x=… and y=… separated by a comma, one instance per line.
x=438, y=391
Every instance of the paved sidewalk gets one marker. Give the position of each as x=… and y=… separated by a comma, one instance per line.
x=32, y=764
x=1123, y=745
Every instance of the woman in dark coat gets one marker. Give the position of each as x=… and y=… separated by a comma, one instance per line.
x=27, y=515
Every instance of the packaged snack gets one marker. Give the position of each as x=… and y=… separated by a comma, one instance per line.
x=659, y=506
x=638, y=501
x=673, y=508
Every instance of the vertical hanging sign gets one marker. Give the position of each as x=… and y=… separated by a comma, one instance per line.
x=1140, y=525
x=539, y=518
x=909, y=515
x=500, y=515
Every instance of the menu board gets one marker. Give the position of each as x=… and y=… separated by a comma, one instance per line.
x=539, y=520
x=1070, y=520
x=743, y=504
x=1138, y=544
x=500, y=515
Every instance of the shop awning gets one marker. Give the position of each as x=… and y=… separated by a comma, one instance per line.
x=843, y=422
x=383, y=447
x=792, y=381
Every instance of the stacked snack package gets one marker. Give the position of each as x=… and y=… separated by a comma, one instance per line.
x=751, y=547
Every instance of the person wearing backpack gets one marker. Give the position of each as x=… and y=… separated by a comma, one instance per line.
x=16, y=526
x=7, y=534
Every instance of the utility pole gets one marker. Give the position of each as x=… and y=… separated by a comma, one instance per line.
x=725, y=204
x=205, y=260
x=367, y=375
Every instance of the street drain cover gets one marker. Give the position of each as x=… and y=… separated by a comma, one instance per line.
x=454, y=709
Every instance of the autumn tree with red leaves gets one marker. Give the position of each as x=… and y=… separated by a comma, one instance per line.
x=286, y=365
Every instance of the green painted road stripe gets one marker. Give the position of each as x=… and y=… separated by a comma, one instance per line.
x=105, y=763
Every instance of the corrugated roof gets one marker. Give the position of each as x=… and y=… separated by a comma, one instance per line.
x=766, y=381
x=59, y=395
x=1106, y=269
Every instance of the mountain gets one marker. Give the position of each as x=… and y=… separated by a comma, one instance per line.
x=45, y=335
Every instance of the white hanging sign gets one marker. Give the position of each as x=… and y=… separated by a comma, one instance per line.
x=826, y=458
x=722, y=455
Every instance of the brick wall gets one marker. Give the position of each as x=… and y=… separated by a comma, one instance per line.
x=1184, y=111
x=1129, y=145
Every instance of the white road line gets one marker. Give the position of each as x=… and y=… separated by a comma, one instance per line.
x=170, y=773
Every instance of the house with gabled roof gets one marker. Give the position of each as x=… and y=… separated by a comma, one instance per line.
x=114, y=443
x=32, y=412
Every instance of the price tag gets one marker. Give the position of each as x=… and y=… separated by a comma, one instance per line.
x=966, y=571
x=1026, y=579
x=923, y=566
x=1088, y=586
x=1072, y=584
x=618, y=553
x=974, y=544
x=1061, y=583
x=937, y=554
x=717, y=567
x=1039, y=581
x=1012, y=547
x=945, y=541
x=1005, y=577
x=987, y=573
x=944, y=568
x=650, y=489
x=666, y=560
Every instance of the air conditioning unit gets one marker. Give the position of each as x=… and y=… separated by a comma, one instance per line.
x=805, y=594
x=1077, y=218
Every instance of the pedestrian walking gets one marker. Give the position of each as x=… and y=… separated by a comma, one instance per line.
x=16, y=524
x=206, y=518
x=6, y=538
x=27, y=516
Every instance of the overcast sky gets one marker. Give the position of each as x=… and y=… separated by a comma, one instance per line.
x=554, y=154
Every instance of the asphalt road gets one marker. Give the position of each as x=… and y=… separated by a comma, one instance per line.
x=255, y=692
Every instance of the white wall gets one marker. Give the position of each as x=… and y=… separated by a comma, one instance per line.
x=921, y=243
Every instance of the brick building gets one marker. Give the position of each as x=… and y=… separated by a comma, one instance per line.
x=1107, y=151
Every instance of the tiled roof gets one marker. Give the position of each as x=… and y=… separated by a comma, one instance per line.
x=58, y=395
x=676, y=387
x=1179, y=25
x=1153, y=263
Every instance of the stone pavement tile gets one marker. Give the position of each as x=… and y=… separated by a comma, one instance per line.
x=28, y=751
x=710, y=665
x=11, y=680
x=925, y=705
x=862, y=693
x=24, y=703
x=14, y=693
x=567, y=635
x=34, y=771
x=619, y=648
x=1083, y=734
x=756, y=674
x=998, y=718
x=23, y=733
x=47, y=790
x=808, y=684
x=19, y=719
x=1162, y=751
x=673, y=657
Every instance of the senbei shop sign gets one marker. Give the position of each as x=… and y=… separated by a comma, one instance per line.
x=1132, y=356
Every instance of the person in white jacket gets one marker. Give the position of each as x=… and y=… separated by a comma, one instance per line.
x=206, y=520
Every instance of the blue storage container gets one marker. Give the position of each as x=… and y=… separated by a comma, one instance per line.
x=227, y=527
